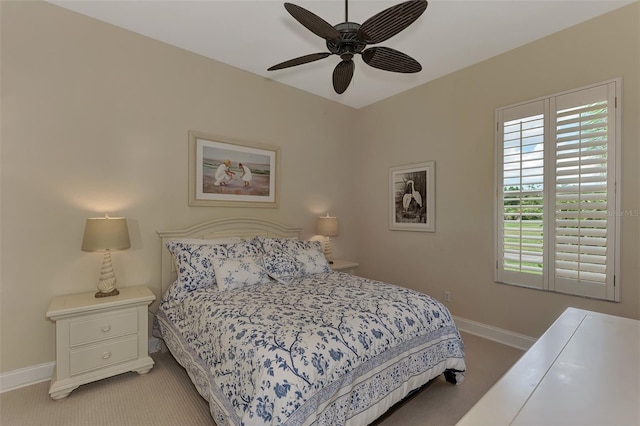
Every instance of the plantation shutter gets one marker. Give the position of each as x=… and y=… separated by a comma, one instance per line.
x=584, y=156
x=557, y=211
x=520, y=195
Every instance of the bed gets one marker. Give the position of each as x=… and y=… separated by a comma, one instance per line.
x=269, y=334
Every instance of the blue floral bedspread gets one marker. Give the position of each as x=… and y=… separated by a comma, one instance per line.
x=320, y=350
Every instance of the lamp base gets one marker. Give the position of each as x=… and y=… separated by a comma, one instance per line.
x=113, y=292
x=327, y=250
x=107, y=283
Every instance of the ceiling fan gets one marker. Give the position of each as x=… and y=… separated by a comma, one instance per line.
x=349, y=38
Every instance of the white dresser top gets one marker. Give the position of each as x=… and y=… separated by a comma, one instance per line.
x=584, y=370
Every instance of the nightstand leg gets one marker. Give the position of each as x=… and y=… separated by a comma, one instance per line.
x=62, y=393
x=144, y=369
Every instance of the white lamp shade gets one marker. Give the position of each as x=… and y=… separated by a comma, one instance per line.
x=327, y=226
x=106, y=233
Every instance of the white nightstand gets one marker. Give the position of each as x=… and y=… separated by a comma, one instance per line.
x=344, y=266
x=98, y=338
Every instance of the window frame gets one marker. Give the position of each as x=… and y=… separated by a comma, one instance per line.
x=547, y=280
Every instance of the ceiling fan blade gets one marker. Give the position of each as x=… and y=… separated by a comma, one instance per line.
x=342, y=75
x=312, y=22
x=299, y=61
x=391, y=21
x=388, y=59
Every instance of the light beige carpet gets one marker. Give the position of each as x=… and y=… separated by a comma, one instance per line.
x=165, y=396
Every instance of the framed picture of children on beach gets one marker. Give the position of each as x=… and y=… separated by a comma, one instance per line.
x=232, y=173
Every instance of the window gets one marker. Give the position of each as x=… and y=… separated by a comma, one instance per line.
x=556, y=204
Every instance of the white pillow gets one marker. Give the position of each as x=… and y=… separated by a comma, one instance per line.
x=240, y=272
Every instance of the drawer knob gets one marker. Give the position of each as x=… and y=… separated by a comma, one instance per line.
x=106, y=355
x=106, y=328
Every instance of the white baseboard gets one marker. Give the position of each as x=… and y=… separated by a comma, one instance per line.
x=26, y=376
x=41, y=373
x=496, y=334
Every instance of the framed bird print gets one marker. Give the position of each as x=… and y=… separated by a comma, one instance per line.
x=412, y=197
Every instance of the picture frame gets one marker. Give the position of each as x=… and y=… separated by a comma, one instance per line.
x=216, y=178
x=412, y=197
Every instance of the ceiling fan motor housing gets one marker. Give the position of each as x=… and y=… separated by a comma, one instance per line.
x=349, y=44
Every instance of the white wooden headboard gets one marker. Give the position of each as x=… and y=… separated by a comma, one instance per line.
x=243, y=227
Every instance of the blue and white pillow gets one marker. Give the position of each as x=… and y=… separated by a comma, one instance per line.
x=240, y=272
x=194, y=261
x=312, y=260
x=287, y=244
x=308, y=254
x=268, y=245
x=281, y=266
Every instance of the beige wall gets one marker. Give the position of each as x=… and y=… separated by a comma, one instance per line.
x=451, y=121
x=95, y=118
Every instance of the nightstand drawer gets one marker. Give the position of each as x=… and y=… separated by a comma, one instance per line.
x=96, y=328
x=103, y=355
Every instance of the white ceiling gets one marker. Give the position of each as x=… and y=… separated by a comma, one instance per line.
x=253, y=35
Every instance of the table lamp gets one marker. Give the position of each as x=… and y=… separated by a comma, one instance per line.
x=327, y=226
x=106, y=234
